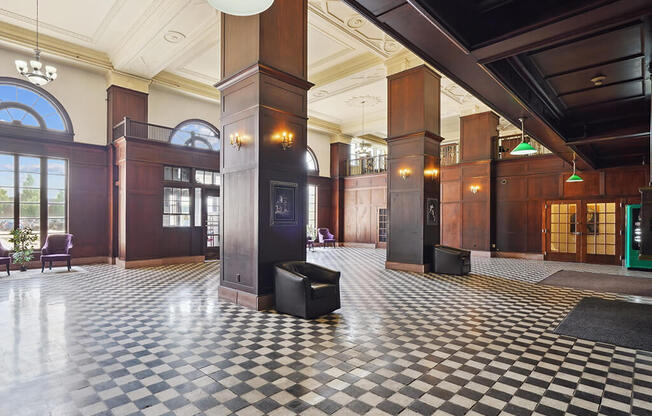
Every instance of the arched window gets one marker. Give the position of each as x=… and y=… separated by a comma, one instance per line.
x=29, y=111
x=311, y=162
x=196, y=133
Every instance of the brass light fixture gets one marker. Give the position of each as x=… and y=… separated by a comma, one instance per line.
x=287, y=140
x=432, y=173
x=404, y=173
x=34, y=72
x=598, y=80
x=474, y=189
x=236, y=141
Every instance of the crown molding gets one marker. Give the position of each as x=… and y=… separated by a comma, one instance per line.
x=17, y=35
x=170, y=80
x=345, y=69
x=127, y=81
x=323, y=126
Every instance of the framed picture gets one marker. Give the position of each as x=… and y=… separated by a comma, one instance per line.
x=283, y=203
x=432, y=211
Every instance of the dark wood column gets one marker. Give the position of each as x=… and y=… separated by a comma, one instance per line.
x=477, y=133
x=121, y=102
x=264, y=93
x=413, y=176
x=340, y=153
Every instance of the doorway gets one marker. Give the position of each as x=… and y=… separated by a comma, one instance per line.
x=211, y=223
x=584, y=231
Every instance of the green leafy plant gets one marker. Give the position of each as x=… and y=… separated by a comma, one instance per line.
x=311, y=232
x=23, y=239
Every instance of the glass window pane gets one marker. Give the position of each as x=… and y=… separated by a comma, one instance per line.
x=30, y=164
x=56, y=225
x=199, y=176
x=167, y=173
x=6, y=210
x=56, y=210
x=6, y=162
x=6, y=194
x=198, y=217
x=56, y=182
x=216, y=178
x=56, y=167
x=6, y=178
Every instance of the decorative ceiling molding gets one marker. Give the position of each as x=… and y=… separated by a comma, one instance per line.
x=127, y=81
x=17, y=35
x=350, y=67
x=42, y=25
x=341, y=17
x=174, y=81
x=364, y=101
x=323, y=126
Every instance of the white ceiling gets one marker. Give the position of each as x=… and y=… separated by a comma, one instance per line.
x=346, y=53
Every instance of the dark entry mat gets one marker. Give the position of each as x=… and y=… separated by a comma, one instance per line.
x=610, y=321
x=598, y=282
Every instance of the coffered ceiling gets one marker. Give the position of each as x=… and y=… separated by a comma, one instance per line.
x=175, y=40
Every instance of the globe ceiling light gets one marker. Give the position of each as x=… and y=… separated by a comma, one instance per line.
x=241, y=7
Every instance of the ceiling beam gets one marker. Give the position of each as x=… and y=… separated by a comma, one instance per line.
x=598, y=19
x=633, y=132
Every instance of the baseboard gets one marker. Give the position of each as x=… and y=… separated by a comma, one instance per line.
x=133, y=264
x=517, y=255
x=357, y=245
x=407, y=267
x=246, y=299
x=75, y=261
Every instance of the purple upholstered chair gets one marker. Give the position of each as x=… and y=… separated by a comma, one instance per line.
x=325, y=237
x=57, y=248
x=5, y=258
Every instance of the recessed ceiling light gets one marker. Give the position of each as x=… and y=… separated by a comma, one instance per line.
x=173, y=36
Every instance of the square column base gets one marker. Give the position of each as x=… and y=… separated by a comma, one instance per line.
x=246, y=299
x=407, y=267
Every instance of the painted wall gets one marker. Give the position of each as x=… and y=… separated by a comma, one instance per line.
x=168, y=107
x=81, y=90
x=320, y=143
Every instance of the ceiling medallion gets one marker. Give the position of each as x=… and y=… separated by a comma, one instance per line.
x=34, y=72
x=241, y=7
x=364, y=101
x=173, y=36
x=356, y=21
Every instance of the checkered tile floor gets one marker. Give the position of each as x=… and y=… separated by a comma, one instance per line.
x=157, y=341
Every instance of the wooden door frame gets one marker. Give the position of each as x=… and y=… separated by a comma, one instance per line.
x=206, y=192
x=581, y=255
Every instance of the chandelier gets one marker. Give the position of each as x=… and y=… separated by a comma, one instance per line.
x=34, y=72
x=241, y=7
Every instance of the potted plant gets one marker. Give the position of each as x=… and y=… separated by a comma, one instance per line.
x=23, y=238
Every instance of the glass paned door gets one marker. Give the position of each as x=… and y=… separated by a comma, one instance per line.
x=211, y=223
x=602, y=232
x=563, y=231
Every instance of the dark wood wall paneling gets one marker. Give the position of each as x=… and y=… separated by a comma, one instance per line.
x=87, y=186
x=340, y=153
x=521, y=187
x=141, y=164
x=363, y=197
x=123, y=102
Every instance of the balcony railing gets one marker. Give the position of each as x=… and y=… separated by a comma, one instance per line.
x=140, y=130
x=450, y=154
x=366, y=165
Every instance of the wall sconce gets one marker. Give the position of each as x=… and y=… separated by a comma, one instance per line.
x=433, y=173
x=404, y=173
x=287, y=140
x=236, y=141
x=474, y=189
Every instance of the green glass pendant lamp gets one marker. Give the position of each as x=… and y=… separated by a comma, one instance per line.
x=524, y=148
x=574, y=177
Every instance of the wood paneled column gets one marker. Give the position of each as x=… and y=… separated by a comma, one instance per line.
x=340, y=153
x=477, y=133
x=264, y=93
x=413, y=148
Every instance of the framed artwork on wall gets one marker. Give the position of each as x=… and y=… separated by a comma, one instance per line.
x=432, y=211
x=283, y=203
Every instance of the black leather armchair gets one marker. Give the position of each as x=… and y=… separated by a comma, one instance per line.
x=450, y=260
x=306, y=289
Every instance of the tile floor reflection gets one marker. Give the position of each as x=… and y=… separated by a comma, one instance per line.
x=157, y=341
